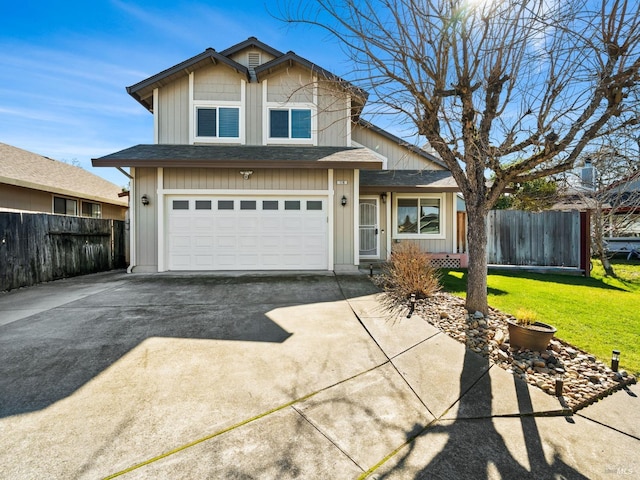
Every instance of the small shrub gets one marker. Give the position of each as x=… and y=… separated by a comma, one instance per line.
x=409, y=270
x=525, y=316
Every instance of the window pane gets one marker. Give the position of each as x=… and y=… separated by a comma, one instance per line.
x=429, y=215
x=90, y=209
x=59, y=205
x=247, y=204
x=181, y=204
x=203, y=204
x=72, y=207
x=292, y=204
x=314, y=204
x=269, y=205
x=225, y=204
x=300, y=123
x=279, y=123
x=407, y=215
x=206, y=122
x=229, y=122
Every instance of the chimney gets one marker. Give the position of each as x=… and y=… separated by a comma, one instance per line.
x=588, y=174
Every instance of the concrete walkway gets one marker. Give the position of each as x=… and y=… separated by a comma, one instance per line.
x=273, y=376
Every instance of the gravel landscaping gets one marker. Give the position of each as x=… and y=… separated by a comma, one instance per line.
x=586, y=379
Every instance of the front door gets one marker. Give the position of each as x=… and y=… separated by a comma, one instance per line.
x=369, y=228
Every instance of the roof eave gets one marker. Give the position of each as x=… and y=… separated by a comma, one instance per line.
x=143, y=90
x=208, y=163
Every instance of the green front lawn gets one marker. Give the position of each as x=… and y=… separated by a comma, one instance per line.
x=596, y=314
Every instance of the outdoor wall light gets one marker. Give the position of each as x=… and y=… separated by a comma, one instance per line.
x=246, y=174
x=559, y=381
x=145, y=199
x=412, y=306
x=615, y=360
x=343, y=202
x=383, y=197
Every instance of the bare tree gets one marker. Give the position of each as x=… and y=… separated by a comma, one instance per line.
x=512, y=91
x=608, y=186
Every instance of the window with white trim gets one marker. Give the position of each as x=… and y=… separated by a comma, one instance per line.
x=90, y=209
x=65, y=206
x=290, y=124
x=419, y=217
x=217, y=123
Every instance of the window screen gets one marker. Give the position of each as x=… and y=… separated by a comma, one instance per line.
x=279, y=124
x=207, y=122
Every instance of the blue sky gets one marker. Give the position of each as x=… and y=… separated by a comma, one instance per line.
x=64, y=66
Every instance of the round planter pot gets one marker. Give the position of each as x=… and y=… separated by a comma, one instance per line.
x=535, y=337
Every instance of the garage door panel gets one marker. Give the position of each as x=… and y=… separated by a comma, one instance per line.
x=247, y=233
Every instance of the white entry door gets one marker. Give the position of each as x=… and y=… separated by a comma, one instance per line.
x=247, y=233
x=369, y=228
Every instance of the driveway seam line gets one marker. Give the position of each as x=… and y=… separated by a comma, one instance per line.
x=317, y=428
x=235, y=426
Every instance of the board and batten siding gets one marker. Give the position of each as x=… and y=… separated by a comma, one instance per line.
x=253, y=117
x=343, y=220
x=333, y=115
x=173, y=110
x=444, y=245
x=398, y=157
x=291, y=85
x=146, y=220
x=216, y=82
x=230, y=179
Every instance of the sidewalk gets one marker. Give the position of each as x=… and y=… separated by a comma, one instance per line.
x=342, y=390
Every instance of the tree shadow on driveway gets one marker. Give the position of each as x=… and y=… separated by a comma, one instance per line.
x=46, y=357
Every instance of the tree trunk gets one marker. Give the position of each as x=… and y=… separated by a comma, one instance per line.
x=477, y=272
x=599, y=243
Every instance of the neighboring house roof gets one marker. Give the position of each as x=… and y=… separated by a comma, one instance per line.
x=29, y=170
x=240, y=156
x=407, y=181
x=404, y=143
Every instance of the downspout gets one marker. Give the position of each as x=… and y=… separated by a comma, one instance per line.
x=132, y=196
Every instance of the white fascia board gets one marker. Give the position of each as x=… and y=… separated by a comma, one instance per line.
x=161, y=221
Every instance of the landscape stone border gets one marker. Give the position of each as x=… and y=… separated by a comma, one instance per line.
x=586, y=379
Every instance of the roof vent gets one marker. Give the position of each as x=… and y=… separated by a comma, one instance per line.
x=253, y=60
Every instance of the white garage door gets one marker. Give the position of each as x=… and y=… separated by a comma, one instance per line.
x=247, y=233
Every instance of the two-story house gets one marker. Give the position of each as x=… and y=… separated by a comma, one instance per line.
x=261, y=161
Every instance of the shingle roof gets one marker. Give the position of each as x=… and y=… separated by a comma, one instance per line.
x=408, y=181
x=27, y=169
x=242, y=156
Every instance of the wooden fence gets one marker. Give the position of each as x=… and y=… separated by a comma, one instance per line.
x=37, y=247
x=536, y=239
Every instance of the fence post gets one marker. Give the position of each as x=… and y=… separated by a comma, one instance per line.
x=585, y=242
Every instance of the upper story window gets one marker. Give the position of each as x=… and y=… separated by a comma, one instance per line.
x=294, y=123
x=65, y=206
x=220, y=123
x=419, y=217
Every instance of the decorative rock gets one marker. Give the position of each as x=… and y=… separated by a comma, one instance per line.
x=478, y=314
x=586, y=378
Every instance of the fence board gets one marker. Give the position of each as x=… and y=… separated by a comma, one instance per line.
x=38, y=248
x=517, y=237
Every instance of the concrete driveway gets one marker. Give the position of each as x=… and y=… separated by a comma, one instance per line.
x=270, y=376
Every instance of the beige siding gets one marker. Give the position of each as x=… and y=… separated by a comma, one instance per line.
x=343, y=221
x=254, y=114
x=435, y=246
x=173, y=108
x=230, y=179
x=332, y=116
x=217, y=82
x=292, y=84
x=397, y=156
x=19, y=198
x=146, y=219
